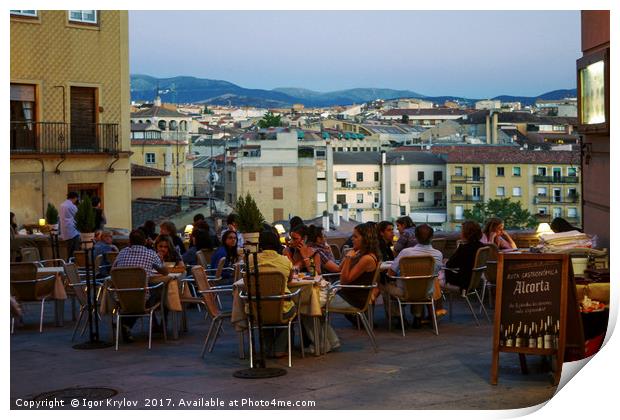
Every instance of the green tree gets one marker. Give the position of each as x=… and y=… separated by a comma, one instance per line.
x=85, y=216
x=513, y=215
x=270, y=120
x=250, y=217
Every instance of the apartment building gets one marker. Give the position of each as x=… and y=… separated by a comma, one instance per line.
x=70, y=100
x=427, y=117
x=545, y=183
x=284, y=180
x=385, y=186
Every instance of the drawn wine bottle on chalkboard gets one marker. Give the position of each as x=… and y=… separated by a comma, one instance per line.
x=539, y=339
x=519, y=336
x=502, y=337
x=532, y=340
x=556, y=334
x=548, y=337
x=510, y=337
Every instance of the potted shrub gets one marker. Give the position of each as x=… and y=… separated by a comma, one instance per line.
x=51, y=215
x=85, y=221
x=250, y=220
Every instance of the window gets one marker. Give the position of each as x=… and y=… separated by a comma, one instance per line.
x=403, y=210
x=321, y=197
x=420, y=197
x=359, y=176
x=500, y=192
x=252, y=176
x=458, y=190
x=475, y=192
x=278, y=214
x=354, y=149
x=458, y=171
x=571, y=171
x=278, y=193
x=29, y=13
x=376, y=176
x=341, y=198
x=320, y=153
x=516, y=171
x=402, y=188
x=321, y=175
x=516, y=192
x=161, y=125
x=557, y=195
x=360, y=198
x=173, y=125
x=277, y=171
x=571, y=212
x=83, y=16
x=23, y=106
x=557, y=173
x=376, y=197
x=542, y=211
x=420, y=175
x=458, y=212
x=541, y=171
x=500, y=171
x=572, y=193
x=149, y=158
x=557, y=212
x=476, y=173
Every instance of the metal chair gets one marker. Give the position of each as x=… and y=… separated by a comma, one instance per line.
x=439, y=244
x=130, y=286
x=30, y=254
x=489, y=279
x=417, y=275
x=482, y=255
x=207, y=299
x=272, y=288
x=335, y=251
x=359, y=312
x=79, y=289
x=26, y=287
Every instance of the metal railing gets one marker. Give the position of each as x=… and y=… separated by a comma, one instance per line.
x=541, y=179
x=464, y=178
x=464, y=197
x=57, y=137
x=428, y=183
x=546, y=199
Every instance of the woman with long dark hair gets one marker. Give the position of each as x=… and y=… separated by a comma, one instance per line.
x=167, y=253
x=494, y=233
x=316, y=241
x=227, y=250
x=464, y=258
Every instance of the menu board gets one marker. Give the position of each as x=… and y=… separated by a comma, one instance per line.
x=531, y=302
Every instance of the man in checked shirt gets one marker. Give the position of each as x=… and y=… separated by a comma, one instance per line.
x=138, y=255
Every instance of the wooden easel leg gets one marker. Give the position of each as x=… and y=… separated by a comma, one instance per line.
x=523, y=363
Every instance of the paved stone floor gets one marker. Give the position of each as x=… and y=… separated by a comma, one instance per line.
x=419, y=371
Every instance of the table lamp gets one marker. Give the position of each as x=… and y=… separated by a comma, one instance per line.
x=543, y=228
x=188, y=229
x=42, y=222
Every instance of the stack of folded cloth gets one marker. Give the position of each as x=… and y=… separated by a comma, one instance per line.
x=559, y=242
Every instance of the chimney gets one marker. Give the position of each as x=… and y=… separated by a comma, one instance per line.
x=488, y=128
x=345, y=212
x=494, y=128
x=336, y=216
x=325, y=220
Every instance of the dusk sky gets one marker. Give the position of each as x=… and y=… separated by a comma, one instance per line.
x=474, y=54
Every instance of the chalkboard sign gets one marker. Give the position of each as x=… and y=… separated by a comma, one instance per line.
x=531, y=307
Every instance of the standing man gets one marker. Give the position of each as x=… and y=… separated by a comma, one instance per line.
x=68, y=231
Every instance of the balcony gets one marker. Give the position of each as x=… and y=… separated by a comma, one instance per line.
x=467, y=179
x=430, y=184
x=540, y=179
x=545, y=199
x=57, y=137
x=458, y=198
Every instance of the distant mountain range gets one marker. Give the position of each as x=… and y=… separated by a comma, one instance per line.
x=186, y=89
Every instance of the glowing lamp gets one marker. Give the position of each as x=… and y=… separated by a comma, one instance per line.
x=188, y=229
x=280, y=228
x=42, y=222
x=543, y=228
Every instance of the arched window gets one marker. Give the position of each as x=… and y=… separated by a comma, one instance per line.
x=148, y=121
x=172, y=125
x=139, y=121
x=161, y=124
x=183, y=125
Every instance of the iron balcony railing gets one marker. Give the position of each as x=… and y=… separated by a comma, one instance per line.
x=428, y=184
x=541, y=179
x=467, y=179
x=57, y=137
x=546, y=199
x=464, y=197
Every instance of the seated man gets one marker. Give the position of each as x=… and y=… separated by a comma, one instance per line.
x=138, y=255
x=269, y=259
x=102, y=247
x=423, y=235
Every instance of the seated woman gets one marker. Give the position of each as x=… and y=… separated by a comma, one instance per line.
x=168, y=228
x=200, y=239
x=168, y=254
x=229, y=251
x=464, y=257
x=406, y=234
x=316, y=241
x=560, y=225
x=494, y=233
x=299, y=253
x=358, y=267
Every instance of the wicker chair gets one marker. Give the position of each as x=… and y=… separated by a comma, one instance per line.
x=130, y=286
x=26, y=287
x=417, y=274
x=272, y=288
x=359, y=312
x=482, y=255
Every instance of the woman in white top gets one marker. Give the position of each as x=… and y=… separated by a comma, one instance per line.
x=493, y=233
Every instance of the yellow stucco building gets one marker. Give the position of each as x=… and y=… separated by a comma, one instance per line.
x=70, y=111
x=546, y=183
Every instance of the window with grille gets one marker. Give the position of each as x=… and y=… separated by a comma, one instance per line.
x=83, y=16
